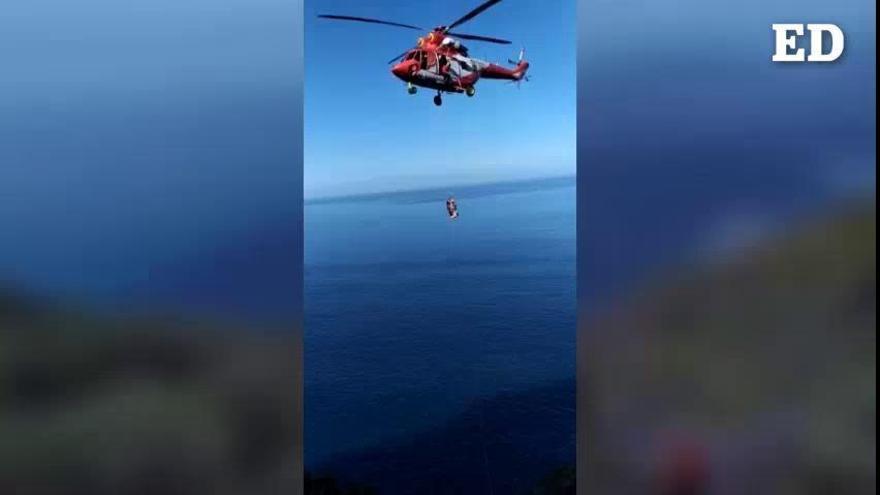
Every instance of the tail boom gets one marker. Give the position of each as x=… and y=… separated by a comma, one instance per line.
x=495, y=71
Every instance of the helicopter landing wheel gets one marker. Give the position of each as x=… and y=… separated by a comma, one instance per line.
x=438, y=100
x=471, y=91
x=411, y=89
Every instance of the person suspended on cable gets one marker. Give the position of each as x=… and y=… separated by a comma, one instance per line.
x=451, y=208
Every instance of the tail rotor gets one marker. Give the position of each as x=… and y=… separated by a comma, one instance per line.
x=522, y=54
x=519, y=64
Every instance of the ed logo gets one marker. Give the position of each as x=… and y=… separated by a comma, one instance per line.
x=786, y=43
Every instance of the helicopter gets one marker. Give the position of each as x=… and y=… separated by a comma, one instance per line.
x=440, y=62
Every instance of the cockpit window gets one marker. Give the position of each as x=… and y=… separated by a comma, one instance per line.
x=418, y=55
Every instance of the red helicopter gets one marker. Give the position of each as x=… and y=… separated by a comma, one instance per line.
x=440, y=61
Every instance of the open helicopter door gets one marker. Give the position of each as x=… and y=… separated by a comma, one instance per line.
x=431, y=62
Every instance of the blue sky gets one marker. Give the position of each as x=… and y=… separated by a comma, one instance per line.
x=693, y=144
x=137, y=133
x=134, y=133
x=364, y=133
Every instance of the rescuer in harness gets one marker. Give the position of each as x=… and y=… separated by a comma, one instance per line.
x=451, y=208
x=443, y=66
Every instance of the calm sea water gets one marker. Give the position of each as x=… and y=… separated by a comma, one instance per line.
x=411, y=317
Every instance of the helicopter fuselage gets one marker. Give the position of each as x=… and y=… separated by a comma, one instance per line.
x=440, y=63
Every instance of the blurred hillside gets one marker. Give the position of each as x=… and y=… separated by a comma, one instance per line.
x=100, y=405
x=756, y=374
x=139, y=405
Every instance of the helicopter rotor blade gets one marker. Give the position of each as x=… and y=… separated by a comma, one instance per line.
x=395, y=59
x=470, y=15
x=480, y=38
x=368, y=20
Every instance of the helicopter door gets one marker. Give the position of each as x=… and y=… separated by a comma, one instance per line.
x=430, y=62
x=462, y=68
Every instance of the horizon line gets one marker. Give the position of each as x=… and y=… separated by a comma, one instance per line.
x=366, y=195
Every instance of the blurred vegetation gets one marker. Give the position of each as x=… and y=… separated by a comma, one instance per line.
x=142, y=405
x=755, y=374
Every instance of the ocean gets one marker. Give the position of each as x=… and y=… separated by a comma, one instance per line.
x=413, y=320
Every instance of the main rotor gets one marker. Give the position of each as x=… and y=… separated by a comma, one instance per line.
x=441, y=30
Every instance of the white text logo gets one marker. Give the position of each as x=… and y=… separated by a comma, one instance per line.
x=786, y=43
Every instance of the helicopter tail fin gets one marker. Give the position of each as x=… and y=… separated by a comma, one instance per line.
x=519, y=60
x=522, y=66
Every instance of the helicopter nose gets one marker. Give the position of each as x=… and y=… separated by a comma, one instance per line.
x=401, y=70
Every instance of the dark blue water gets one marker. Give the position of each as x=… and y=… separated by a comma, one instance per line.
x=412, y=318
